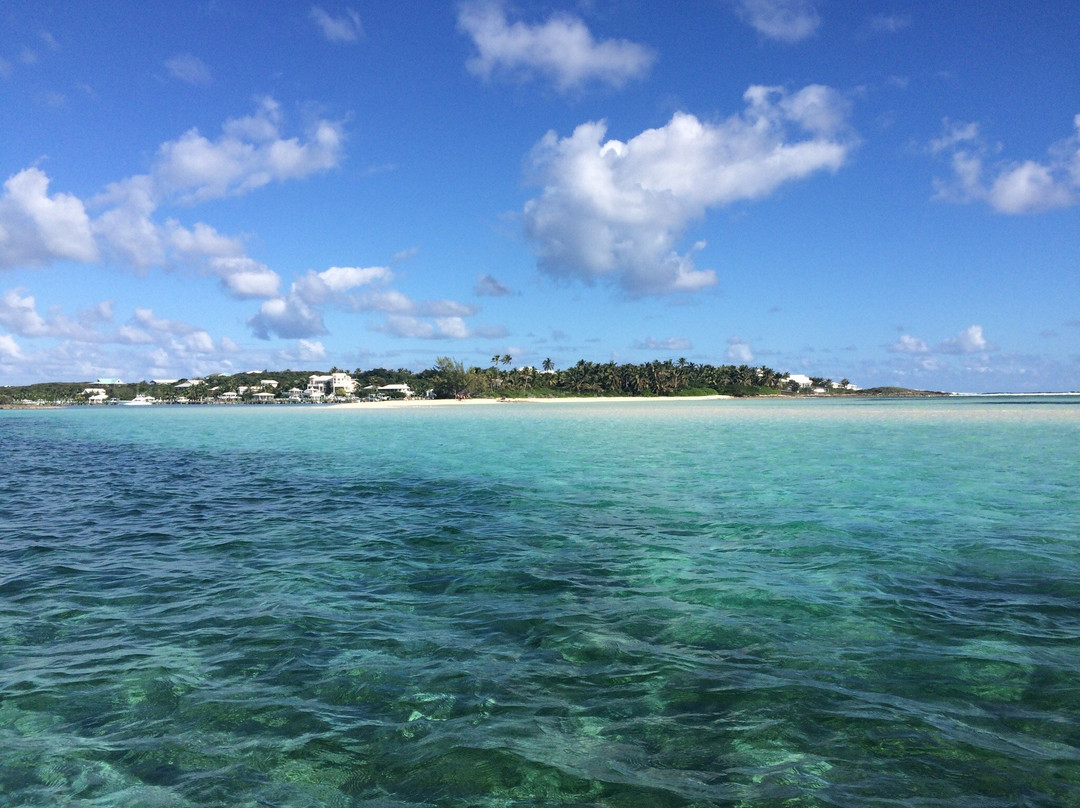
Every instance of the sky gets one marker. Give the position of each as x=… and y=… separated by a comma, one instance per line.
x=886, y=192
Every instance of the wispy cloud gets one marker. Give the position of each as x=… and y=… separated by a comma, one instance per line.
x=487, y=286
x=561, y=49
x=740, y=350
x=970, y=340
x=909, y=345
x=783, y=20
x=666, y=345
x=189, y=68
x=888, y=23
x=344, y=28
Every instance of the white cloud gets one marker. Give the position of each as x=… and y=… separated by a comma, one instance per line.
x=1013, y=188
x=968, y=341
x=908, y=344
x=452, y=327
x=18, y=313
x=739, y=350
x=488, y=286
x=889, y=23
x=145, y=318
x=189, y=68
x=289, y=317
x=562, y=49
x=784, y=20
x=390, y=301
x=1027, y=188
x=669, y=344
x=400, y=325
x=245, y=277
x=202, y=240
x=249, y=154
x=311, y=350
x=610, y=208
x=344, y=28
x=36, y=228
x=9, y=347
x=127, y=231
x=335, y=282
x=444, y=308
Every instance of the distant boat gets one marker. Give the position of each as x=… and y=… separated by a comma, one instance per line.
x=139, y=401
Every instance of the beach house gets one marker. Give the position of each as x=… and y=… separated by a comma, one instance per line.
x=337, y=383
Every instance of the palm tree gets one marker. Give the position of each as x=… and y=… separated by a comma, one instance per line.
x=548, y=365
x=507, y=359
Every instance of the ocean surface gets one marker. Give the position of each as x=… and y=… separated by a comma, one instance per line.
x=656, y=604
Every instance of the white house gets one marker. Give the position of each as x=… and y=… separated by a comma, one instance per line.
x=397, y=390
x=319, y=386
x=800, y=379
x=95, y=395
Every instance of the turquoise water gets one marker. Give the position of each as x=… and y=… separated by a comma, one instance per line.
x=702, y=603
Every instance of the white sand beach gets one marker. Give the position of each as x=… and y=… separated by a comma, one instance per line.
x=486, y=402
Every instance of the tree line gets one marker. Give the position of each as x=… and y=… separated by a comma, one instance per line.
x=449, y=378
x=666, y=377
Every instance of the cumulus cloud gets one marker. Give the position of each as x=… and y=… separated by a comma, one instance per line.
x=784, y=20
x=908, y=344
x=487, y=286
x=311, y=350
x=89, y=343
x=246, y=278
x=615, y=209
x=249, y=154
x=336, y=282
x=343, y=28
x=561, y=49
x=289, y=317
x=968, y=341
x=1010, y=187
x=127, y=231
x=739, y=350
x=188, y=68
x=202, y=240
x=9, y=348
x=18, y=313
x=36, y=228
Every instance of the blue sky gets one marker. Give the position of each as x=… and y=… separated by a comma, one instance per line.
x=884, y=192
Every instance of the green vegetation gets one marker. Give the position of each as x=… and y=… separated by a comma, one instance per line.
x=658, y=378
x=449, y=378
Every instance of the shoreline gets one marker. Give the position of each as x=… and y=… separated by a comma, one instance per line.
x=450, y=402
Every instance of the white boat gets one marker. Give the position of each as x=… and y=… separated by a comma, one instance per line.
x=139, y=401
